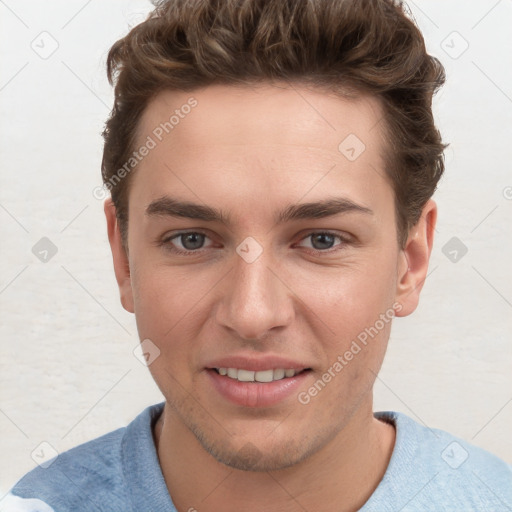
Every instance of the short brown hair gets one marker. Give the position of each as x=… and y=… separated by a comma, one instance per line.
x=371, y=46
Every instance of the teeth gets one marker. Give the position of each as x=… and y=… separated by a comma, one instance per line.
x=261, y=376
x=279, y=374
x=245, y=376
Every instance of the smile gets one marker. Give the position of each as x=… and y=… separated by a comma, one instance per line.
x=269, y=375
x=258, y=388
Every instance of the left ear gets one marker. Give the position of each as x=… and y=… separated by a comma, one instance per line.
x=415, y=257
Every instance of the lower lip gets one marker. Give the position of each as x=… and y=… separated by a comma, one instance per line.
x=256, y=394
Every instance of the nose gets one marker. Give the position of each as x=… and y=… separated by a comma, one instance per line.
x=255, y=299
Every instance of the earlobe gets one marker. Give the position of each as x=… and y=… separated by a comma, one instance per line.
x=119, y=256
x=414, y=260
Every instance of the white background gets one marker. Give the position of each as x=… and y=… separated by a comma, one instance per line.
x=67, y=369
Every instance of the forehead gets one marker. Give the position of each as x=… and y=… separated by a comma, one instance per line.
x=262, y=113
x=259, y=139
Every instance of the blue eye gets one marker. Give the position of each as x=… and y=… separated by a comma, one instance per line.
x=191, y=242
x=322, y=241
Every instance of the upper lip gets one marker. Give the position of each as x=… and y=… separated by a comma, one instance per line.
x=257, y=363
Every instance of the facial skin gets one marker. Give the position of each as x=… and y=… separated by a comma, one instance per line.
x=251, y=153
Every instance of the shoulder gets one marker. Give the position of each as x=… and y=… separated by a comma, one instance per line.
x=431, y=469
x=85, y=473
x=85, y=477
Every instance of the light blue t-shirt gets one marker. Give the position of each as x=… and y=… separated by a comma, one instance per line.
x=429, y=470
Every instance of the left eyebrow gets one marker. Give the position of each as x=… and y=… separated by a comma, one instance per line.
x=168, y=206
x=321, y=209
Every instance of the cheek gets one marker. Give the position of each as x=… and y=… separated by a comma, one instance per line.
x=156, y=306
x=352, y=300
x=168, y=311
x=165, y=295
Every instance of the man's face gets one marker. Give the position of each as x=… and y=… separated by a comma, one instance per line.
x=255, y=292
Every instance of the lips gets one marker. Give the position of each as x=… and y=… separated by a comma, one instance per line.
x=257, y=382
x=260, y=363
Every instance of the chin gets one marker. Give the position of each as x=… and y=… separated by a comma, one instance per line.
x=251, y=458
x=270, y=453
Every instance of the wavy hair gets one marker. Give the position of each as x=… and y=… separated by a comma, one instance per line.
x=346, y=46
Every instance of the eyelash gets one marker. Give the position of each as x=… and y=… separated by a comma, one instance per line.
x=166, y=242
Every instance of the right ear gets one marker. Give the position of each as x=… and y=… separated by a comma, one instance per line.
x=121, y=262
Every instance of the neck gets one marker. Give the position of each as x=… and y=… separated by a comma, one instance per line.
x=339, y=477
